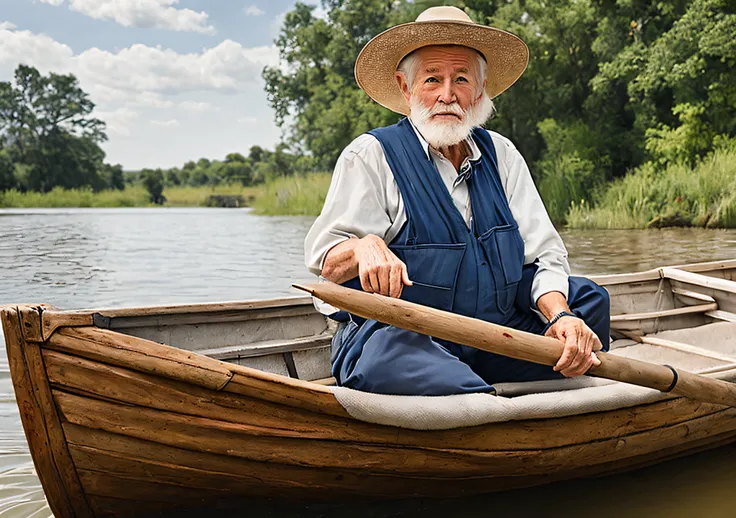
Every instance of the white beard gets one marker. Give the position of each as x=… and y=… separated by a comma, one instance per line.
x=441, y=134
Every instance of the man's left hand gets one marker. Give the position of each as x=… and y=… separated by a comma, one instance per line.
x=580, y=343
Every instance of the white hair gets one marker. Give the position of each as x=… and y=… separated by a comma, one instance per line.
x=408, y=66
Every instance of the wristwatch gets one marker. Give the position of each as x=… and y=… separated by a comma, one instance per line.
x=555, y=318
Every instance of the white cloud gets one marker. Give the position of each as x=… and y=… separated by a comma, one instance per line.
x=254, y=10
x=158, y=14
x=31, y=49
x=7, y=26
x=228, y=66
x=134, y=86
x=171, y=123
x=194, y=106
x=153, y=99
x=118, y=121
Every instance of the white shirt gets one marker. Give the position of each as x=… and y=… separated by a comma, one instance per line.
x=364, y=198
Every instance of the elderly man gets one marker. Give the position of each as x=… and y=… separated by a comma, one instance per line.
x=439, y=211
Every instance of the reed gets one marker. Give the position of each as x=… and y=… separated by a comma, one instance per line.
x=678, y=195
x=293, y=195
x=135, y=196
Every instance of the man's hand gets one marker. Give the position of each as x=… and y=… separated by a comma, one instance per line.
x=580, y=342
x=379, y=269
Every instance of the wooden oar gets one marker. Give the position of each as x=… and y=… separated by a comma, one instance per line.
x=517, y=344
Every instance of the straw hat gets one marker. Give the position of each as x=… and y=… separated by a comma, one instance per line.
x=507, y=56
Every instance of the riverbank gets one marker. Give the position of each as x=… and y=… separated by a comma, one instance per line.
x=285, y=196
x=677, y=196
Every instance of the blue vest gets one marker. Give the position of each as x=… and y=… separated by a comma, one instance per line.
x=470, y=271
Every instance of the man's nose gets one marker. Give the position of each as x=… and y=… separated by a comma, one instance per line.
x=447, y=92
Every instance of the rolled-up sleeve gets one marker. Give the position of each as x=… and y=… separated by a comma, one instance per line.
x=542, y=242
x=355, y=205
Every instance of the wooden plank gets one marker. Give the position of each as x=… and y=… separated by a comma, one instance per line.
x=143, y=355
x=208, y=307
x=700, y=280
x=664, y=313
x=115, y=384
x=721, y=315
x=682, y=347
x=693, y=295
x=40, y=423
x=707, y=266
x=286, y=391
x=297, y=481
x=120, y=385
x=625, y=278
x=266, y=347
x=211, y=436
x=179, y=319
x=271, y=477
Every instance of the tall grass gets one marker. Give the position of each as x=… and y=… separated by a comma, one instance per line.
x=135, y=196
x=131, y=196
x=293, y=195
x=703, y=196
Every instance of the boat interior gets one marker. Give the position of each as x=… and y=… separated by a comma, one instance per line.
x=682, y=316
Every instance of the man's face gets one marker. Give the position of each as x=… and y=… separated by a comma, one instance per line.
x=446, y=97
x=446, y=75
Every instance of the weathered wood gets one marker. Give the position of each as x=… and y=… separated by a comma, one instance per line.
x=697, y=279
x=693, y=295
x=721, y=315
x=41, y=424
x=127, y=351
x=286, y=391
x=211, y=436
x=513, y=343
x=664, y=313
x=678, y=346
x=118, y=385
x=267, y=347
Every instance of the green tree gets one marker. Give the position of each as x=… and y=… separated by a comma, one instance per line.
x=113, y=176
x=153, y=181
x=7, y=171
x=47, y=122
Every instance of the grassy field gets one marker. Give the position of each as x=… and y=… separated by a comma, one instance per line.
x=283, y=196
x=704, y=196
x=293, y=196
x=135, y=196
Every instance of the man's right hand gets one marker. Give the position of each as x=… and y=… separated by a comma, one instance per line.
x=379, y=269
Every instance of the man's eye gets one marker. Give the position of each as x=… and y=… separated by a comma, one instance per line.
x=431, y=80
x=462, y=79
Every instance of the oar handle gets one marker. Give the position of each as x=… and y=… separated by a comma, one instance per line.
x=517, y=344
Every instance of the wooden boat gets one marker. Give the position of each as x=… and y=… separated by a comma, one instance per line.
x=237, y=404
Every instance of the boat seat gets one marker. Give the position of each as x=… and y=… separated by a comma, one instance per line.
x=306, y=358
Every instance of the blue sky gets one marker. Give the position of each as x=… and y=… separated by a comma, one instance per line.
x=175, y=80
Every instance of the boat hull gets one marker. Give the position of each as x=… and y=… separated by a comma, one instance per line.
x=120, y=425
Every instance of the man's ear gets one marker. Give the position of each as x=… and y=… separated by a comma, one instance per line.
x=403, y=85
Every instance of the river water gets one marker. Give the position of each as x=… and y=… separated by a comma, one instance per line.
x=77, y=258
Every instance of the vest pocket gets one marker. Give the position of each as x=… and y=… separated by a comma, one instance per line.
x=504, y=251
x=433, y=270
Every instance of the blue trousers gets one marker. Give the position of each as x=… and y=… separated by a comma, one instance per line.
x=375, y=357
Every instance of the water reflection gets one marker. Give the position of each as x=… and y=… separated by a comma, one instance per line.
x=75, y=258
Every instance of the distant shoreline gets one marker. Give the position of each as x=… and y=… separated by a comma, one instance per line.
x=294, y=195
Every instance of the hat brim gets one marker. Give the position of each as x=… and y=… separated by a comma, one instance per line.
x=507, y=56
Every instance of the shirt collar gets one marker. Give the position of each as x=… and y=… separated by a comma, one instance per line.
x=474, y=150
